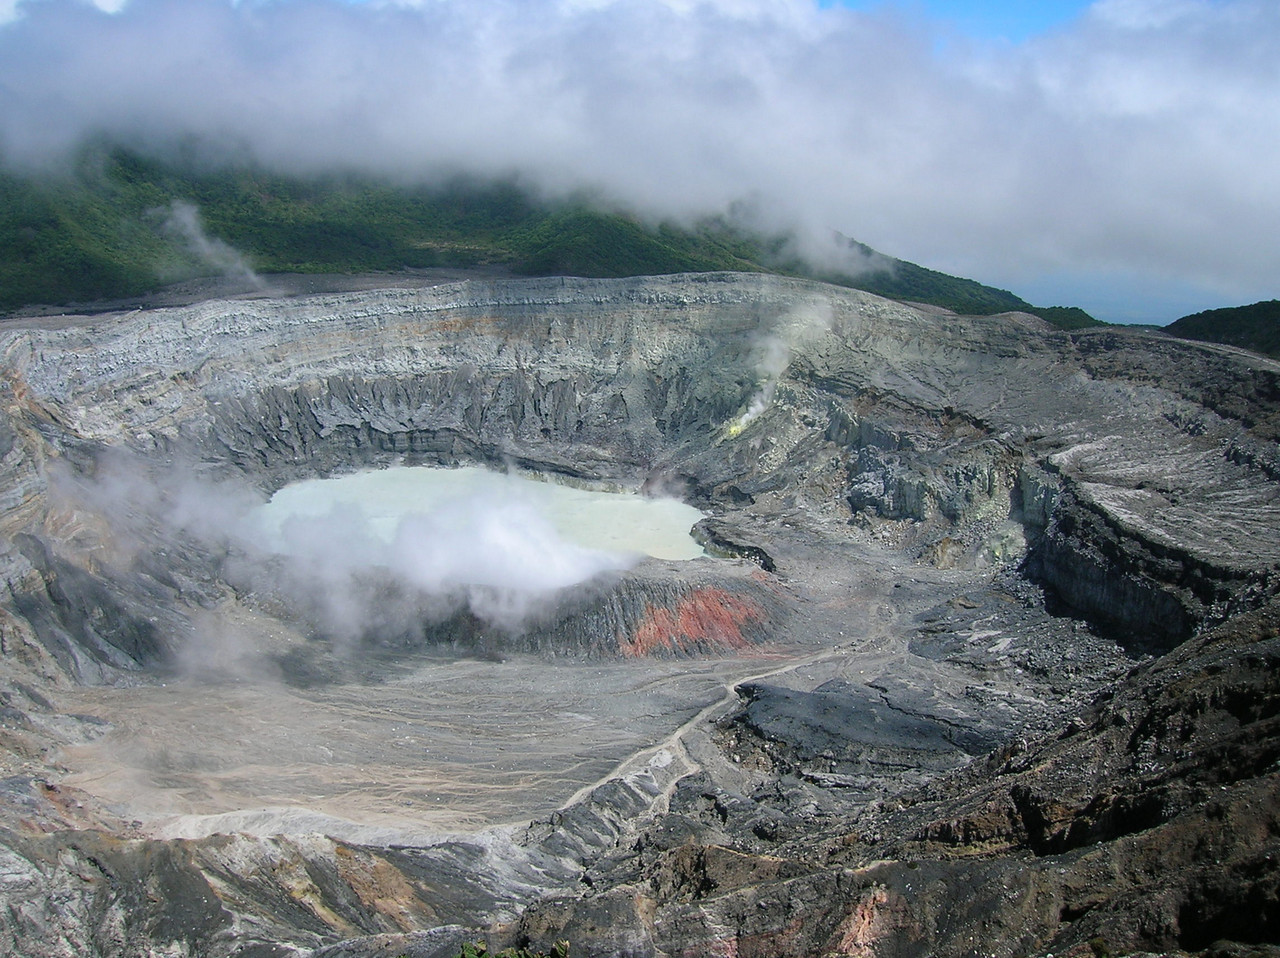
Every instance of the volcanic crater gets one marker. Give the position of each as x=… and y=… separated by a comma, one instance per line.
x=948, y=558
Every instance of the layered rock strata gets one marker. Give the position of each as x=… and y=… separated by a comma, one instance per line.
x=946, y=534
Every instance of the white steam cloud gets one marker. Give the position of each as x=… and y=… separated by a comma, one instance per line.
x=1132, y=149
x=489, y=553
x=771, y=355
x=499, y=558
x=183, y=221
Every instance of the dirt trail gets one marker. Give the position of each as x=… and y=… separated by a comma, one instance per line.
x=881, y=637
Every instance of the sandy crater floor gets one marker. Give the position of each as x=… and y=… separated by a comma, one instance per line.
x=423, y=745
x=440, y=746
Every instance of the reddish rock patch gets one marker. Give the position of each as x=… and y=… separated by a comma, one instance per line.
x=707, y=618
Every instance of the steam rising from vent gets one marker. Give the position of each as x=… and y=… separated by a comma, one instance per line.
x=493, y=550
x=771, y=355
x=774, y=356
x=502, y=561
x=184, y=223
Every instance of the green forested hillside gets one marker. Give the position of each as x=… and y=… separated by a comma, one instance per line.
x=105, y=230
x=907, y=281
x=1255, y=327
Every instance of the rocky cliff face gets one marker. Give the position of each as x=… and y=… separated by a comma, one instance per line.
x=959, y=530
x=1148, y=824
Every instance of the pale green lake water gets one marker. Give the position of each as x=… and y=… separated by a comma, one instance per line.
x=624, y=523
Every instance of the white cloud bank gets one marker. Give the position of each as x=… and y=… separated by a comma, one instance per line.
x=1132, y=151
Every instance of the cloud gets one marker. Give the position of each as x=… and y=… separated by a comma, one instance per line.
x=1134, y=141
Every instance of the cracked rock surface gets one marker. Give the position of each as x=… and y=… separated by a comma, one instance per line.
x=980, y=660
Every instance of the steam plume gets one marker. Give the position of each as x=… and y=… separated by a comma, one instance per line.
x=491, y=554
x=183, y=221
x=772, y=354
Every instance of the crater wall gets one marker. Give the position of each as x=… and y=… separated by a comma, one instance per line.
x=808, y=420
x=918, y=426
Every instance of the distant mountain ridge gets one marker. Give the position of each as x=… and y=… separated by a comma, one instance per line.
x=123, y=224
x=1255, y=327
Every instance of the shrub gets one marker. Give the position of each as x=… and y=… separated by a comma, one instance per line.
x=481, y=950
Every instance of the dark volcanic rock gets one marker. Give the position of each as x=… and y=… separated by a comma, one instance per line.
x=849, y=736
x=929, y=532
x=1152, y=822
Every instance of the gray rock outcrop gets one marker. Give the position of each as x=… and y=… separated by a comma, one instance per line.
x=1002, y=517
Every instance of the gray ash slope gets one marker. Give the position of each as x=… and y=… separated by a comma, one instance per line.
x=951, y=533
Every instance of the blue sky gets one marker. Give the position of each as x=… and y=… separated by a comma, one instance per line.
x=1118, y=155
x=997, y=20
